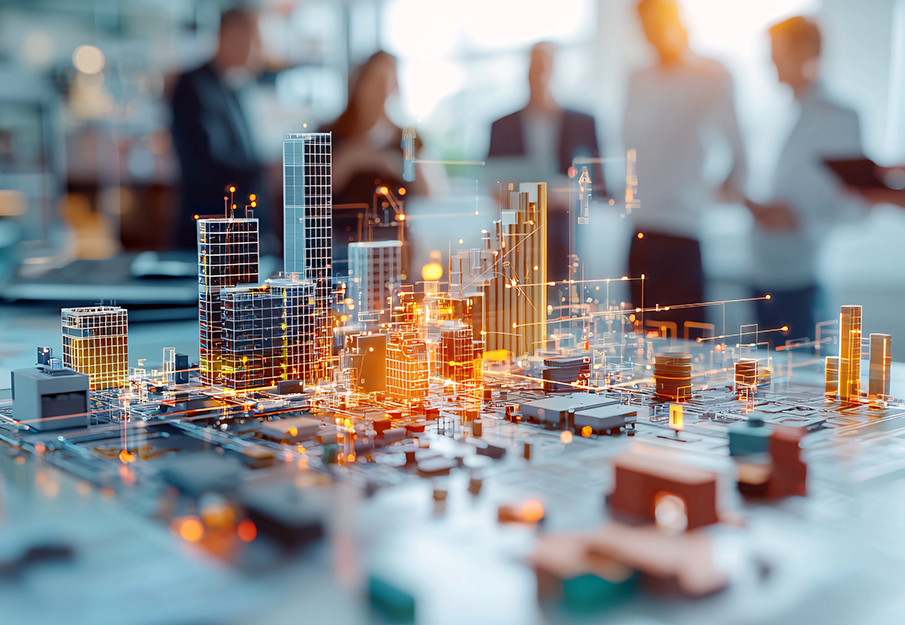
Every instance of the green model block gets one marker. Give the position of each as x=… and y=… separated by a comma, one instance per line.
x=393, y=602
x=752, y=437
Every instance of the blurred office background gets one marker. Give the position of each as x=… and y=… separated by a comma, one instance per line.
x=88, y=171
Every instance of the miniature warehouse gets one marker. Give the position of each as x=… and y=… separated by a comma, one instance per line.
x=463, y=446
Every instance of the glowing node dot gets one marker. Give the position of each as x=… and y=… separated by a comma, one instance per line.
x=566, y=437
x=768, y=297
x=640, y=235
x=785, y=328
x=191, y=530
x=88, y=59
x=586, y=431
x=461, y=241
x=247, y=531
x=232, y=189
x=532, y=511
x=252, y=197
x=254, y=204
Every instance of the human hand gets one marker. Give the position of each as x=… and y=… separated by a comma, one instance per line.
x=882, y=195
x=775, y=217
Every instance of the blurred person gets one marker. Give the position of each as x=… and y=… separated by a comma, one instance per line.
x=549, y=136
x=807, y=201
x=211, y=132
x=367, y=150
x=676, y=110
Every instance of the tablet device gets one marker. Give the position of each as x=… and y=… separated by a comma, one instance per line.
x=856, y=172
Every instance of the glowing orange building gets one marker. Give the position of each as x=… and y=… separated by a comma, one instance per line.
x=408, y=367
x=96, y=343
x=850, y=354
x=514, y=307
x=880, y=365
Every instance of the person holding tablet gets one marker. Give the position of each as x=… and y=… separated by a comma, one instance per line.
x=807, y=199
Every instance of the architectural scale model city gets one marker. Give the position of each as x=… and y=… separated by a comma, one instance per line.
x=609, y=429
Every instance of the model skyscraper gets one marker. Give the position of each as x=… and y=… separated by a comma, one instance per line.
x=308, y=228
x=850, y=354
x=376, y=273
x=227, y=256
x=96, y=343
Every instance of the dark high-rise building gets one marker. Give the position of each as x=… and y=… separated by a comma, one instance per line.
x=268, y=333
x=227, y=256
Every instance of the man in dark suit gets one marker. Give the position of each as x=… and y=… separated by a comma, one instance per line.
x=550, y=136
x=211, y=133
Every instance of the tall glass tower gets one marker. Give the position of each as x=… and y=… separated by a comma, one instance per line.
x=308, y=229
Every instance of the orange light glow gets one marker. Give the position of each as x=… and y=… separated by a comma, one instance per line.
x=125, y=456
x=675, y=417
x=785, y=328
x=400, y=217
x=566, y=437
x=532, y=511
x=252, y=197
x=401, y=190
x=232, y=189
x=586, y=431
x=640, y=235
x=383, y=190
x=247, y=531
x=768, y=297
x=196, y=216
x=254, y=204
x=191, y=529
x=432, y=271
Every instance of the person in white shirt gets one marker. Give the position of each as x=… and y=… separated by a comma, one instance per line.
x=807, y=198
x=677, y=111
